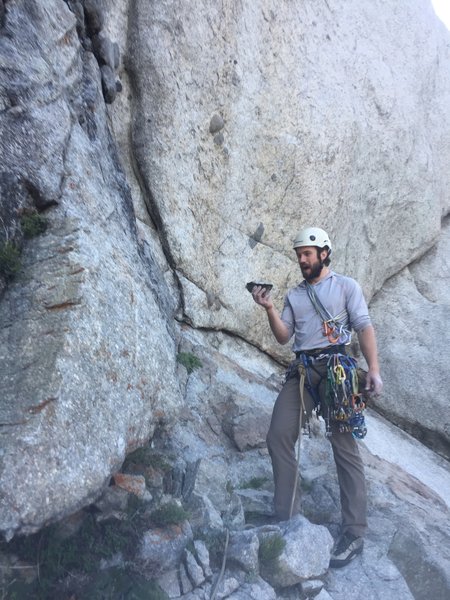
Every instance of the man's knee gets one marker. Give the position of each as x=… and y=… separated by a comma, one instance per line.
x=271, y=439
x=277, y=437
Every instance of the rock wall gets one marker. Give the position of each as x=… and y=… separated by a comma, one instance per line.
x=409, y=312
x=236, y=124
x=332, y=128
x=243, y=139
x=87, y=342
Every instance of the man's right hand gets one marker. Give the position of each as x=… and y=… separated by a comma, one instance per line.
x=262, y=297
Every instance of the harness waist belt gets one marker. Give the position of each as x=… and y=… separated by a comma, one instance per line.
x=335, y=349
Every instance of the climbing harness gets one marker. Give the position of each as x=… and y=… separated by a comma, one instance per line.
x=342, y=401
x=334, y=328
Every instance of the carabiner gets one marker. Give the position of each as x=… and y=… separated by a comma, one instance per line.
x=357, y=403
x=340, y=373
x=328, y=330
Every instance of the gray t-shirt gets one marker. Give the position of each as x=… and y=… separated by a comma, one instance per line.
x=338, y=294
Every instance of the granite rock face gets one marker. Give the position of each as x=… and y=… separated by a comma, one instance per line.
x=87, y=343
x=331, y=127
x=409, y=314
x=227, y=128
x=357, y=145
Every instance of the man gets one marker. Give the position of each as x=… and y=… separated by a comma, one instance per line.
x=320, y=313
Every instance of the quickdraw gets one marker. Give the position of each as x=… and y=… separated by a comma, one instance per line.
x=343, y=401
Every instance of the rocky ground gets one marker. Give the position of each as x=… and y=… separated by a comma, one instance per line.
x=160, y=531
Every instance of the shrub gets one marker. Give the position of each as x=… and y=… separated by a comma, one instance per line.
x=148, y=457
x=9, y=260
x=169, y=514
x=270, y=548
x=56, y=555
x=189, y=361
x=121, y=583
x=255, y=483
x=33, y=224
x=75, y=562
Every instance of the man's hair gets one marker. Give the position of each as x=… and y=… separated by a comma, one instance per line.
x=327, y=260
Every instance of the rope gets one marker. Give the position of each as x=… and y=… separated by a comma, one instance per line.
x=335, y=328
x=302, y=373
x=222, y=569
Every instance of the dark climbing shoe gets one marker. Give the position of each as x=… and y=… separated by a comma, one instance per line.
x=346, y=548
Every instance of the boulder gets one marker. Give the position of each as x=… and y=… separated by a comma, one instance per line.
x=306, y=553
x=162, y=549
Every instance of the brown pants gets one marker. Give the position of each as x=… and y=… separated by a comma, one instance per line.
x=281, y=439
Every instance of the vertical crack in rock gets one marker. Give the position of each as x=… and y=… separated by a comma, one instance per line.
x=137, y=146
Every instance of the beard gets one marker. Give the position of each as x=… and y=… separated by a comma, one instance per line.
x=312, y=273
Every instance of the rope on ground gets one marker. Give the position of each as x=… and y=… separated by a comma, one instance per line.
x=222, y=570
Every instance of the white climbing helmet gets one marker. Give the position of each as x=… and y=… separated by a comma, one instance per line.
x=312, y=236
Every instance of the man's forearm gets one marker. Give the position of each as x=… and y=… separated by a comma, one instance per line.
x=279, y=329
x=368, y=344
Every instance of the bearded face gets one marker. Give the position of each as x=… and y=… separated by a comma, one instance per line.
x=311, y=261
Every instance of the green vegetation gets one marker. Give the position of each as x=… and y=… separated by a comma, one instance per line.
x=33, y=224
x=53, y=565
x=255, y=483
x=189, y=361
x=55, y=557
x=57, y=554
x=306, y=485
x=147, y=457
x=149, y=463
x=9, y=260
x=169, y=514
x=121, y=583
x=270, y=548
x=104, y=585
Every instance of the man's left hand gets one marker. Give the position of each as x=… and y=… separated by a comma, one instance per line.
x=374, y=383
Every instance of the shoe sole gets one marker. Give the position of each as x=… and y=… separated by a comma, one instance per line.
x=337, y=564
